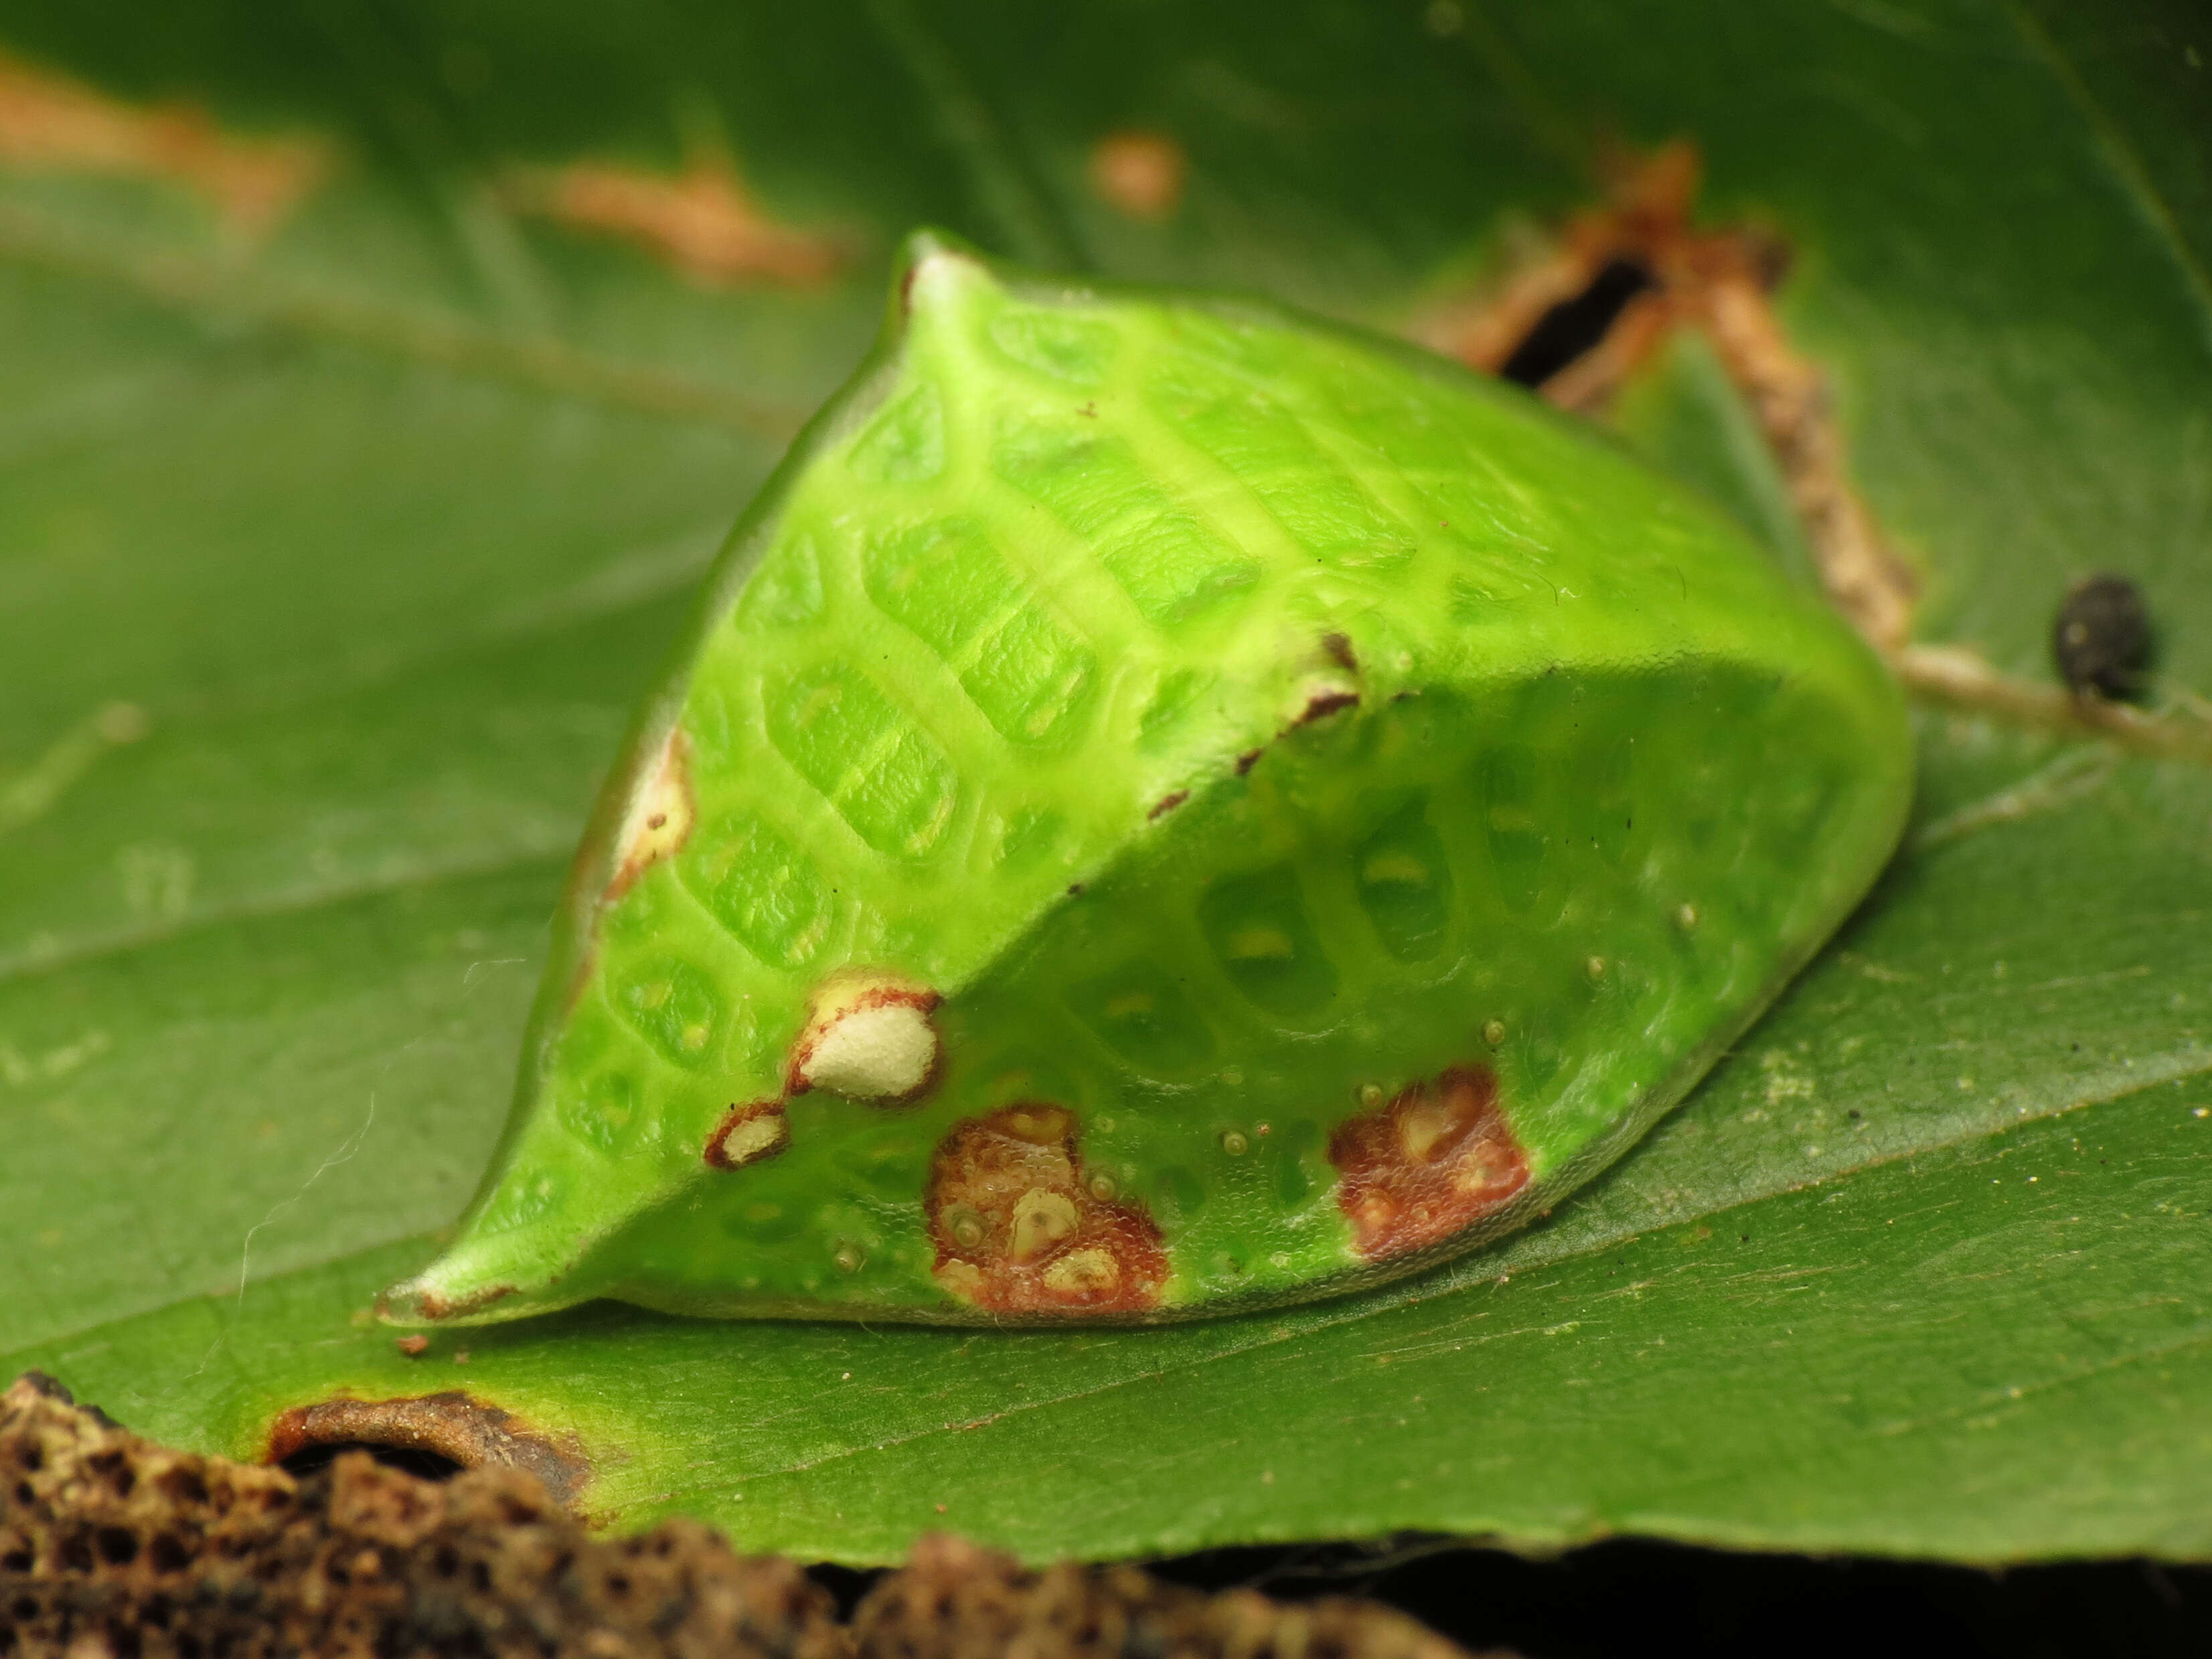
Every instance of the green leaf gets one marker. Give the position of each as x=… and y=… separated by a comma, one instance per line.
x=335, y=543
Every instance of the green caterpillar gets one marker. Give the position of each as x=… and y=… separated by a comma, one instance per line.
x=1168, y=805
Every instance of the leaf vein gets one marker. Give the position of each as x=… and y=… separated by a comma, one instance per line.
x=2120, y=161
x=182, y=283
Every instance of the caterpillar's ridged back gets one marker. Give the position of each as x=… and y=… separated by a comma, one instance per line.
x=1167, y=805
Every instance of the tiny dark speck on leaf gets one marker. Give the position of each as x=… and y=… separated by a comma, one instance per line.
x=2101, y=640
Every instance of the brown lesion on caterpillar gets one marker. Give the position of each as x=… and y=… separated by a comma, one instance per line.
x=437, y=1305
x=660, y=816
x=1165, y=804
x=1321, y=704
x=1323, y=694
x=1426, y=1164
x=1022, y=1226
x=747, y=1133
x=868, y=1035
x=1331, y=685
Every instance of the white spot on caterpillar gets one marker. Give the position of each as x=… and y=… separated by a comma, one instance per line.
x=659, y=820
x=748, y=1134
x=869, y=1036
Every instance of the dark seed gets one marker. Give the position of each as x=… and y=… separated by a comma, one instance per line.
x=2101, y=640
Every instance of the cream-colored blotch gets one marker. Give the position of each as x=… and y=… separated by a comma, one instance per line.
x=659, y=822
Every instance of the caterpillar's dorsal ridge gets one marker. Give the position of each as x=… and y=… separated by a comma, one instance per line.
x=1169, y=805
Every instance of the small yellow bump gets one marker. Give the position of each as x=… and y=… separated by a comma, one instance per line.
x=1686, y=917
x=1092, y=1272
x=960, y=1279
x=1042, y=1220
x=1595, y=969
x=1234, y=1143
x=1260, y=944
x=1494, y=1032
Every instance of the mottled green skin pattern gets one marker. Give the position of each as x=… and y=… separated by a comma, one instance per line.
x=1058, y=555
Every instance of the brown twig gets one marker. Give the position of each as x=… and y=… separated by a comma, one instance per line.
x=1952, y=676
x=1716, y=282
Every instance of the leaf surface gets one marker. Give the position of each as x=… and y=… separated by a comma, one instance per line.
x=337, y=537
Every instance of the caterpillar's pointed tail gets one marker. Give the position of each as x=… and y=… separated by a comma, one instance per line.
x=471, y=1285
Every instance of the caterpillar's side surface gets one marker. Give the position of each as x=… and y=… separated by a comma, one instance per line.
x=1167, y=805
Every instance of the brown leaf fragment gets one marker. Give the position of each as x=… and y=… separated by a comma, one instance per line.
x=52, y=124
x=1139, y=174
x=703, y=223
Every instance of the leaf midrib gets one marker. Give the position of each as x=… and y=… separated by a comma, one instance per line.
x=207, y=288
x=25, y=965
x=2127, y=173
